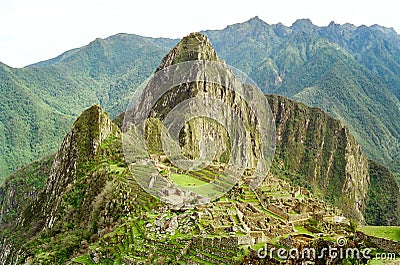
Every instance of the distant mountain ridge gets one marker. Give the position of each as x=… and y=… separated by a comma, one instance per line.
x=353, y=73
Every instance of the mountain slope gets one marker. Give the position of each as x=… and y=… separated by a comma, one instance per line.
x=304, y=62
x=21, y=188
x=383, y=198
x=90, y=208
x=38, y=103
x=29, y=128
x=357, y=98
x=375, y=47
x=84, y=192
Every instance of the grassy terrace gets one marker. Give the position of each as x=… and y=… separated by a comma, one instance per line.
x=301, y=230
x=197, y=180
x=388, y=232
x=186, y=180
x=193, y=183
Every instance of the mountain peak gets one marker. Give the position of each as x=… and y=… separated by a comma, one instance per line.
x=195, y=46
x=256, y=19
x=303, y=21
x=81, y=144
x=302, y=25
x=92, y=127
x=332, y=24
x=387, y=31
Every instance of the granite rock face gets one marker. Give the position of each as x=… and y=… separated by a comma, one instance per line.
x=200, y=100
x=318, y=151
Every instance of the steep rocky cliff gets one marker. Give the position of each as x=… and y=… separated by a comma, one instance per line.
x=317, y=151
x=218, y=83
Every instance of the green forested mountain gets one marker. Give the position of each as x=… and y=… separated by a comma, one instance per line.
x=353, y=73
x=29, y=127
x=84, y=205
x=350, y=72
x=38, y=103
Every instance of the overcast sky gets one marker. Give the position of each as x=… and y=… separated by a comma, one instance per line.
x=36, y=30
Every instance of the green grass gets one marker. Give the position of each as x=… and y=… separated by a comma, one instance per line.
x=186, y=180
x=258, y=246
x=301, y=230
x=194, y=184
x=117, y=168
x=85, y=260
x=388, y=232
x=205, y=190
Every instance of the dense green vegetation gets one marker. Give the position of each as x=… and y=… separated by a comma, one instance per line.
x=29, y=127
x=383, y=197
x=351, y=73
